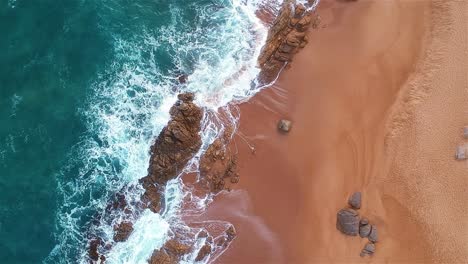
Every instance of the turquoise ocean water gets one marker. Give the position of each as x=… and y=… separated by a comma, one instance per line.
x=85, y=86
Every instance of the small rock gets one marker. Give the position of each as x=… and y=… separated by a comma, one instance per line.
x=347, y=221
x=365, y=230
x=465, y=132
x=364, y=221
x=284, y=125
x=235, y=179
x=373, y=236
x=461, y=153
x=355, y=200
x=368, y=249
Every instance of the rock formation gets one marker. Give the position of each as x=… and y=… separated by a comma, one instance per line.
x=285, y=37
x=175, y=146
x=218, y=163
x=177, y=143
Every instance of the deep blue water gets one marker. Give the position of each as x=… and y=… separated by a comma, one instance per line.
x=83, y=90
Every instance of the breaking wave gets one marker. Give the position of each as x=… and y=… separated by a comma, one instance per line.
x=216, y=44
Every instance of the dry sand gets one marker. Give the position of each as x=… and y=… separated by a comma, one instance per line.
x=379, y=98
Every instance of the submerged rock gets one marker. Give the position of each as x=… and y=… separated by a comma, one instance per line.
x=284, y=125
x=347, y=221
x=122, y=231
x=355, y=200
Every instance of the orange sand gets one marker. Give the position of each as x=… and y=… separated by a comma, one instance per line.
x=378, y=98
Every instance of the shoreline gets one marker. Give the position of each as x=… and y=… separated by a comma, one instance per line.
x=344, y=100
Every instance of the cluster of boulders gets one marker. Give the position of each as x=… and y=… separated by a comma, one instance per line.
x=285, y=37
x=349, y=223
x=461, y=151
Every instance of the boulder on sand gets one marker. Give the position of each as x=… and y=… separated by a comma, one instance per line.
x=355, y=200
x=460, y=153
x=364, y=229
x=347, y=221
x=284, y=125
x=373, y=236
x=368, y=249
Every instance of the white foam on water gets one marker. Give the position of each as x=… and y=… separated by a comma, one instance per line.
x=151, y=231
x=129, y=107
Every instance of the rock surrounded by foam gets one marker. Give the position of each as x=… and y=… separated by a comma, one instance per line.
x=174, y=147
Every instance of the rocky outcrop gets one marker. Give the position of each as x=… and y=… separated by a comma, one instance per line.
x=218, y=164
x=347, y=221
x=175, y=146
x=122, y=231
x=177, y=143
x=285, y=37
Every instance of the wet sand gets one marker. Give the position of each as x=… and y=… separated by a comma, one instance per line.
x=378, y=98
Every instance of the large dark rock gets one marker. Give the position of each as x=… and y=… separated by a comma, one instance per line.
x=465, y=132
x=347, y=221
x=355, y=200
x=175, y=146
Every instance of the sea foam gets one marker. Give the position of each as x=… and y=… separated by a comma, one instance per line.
x=129, y=105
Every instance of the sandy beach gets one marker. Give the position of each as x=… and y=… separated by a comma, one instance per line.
x=378, y=100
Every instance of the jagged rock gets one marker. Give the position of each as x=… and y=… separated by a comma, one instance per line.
x=284, y=125
x=93, y=247
x=288, y=28
x=170, y=253
x=231, y=233
x=347, y=221
x=461, y=153
x=218, y=163
x=364, y=230
x=204, y=251
x=355, y=200
x=122, y=231
x=373, y=236
x=465, y=132
x=368, y=249
x=175, y=146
